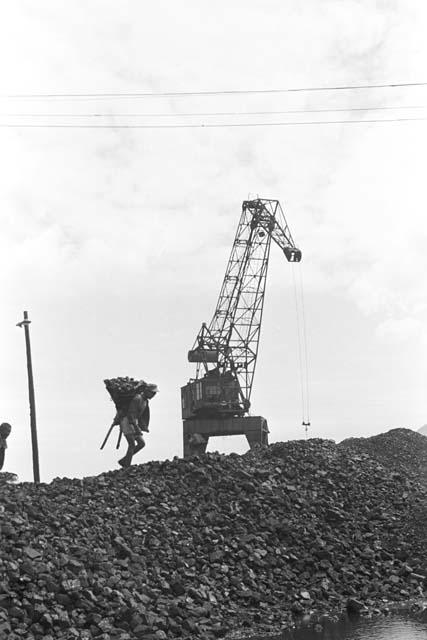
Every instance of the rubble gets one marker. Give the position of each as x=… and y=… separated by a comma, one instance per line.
x=201, y=547
x=402, y=450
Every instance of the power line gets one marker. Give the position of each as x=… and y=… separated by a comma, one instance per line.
x=205, y=113
x=203, y=126
x=177, y=94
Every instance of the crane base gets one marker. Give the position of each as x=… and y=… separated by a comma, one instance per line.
x=196, y=433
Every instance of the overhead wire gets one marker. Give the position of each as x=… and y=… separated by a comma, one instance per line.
x=227, y=92
x=208, y=113
x=208, y=125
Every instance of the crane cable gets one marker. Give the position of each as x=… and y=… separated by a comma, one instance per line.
x=302, y=348
x=304, y=329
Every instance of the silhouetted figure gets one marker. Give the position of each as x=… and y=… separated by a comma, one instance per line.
x=135, y=422
x=5, y=430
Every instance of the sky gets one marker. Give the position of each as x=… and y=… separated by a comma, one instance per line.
x=116, y=240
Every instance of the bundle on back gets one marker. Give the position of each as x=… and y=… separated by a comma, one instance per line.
x=122, y=390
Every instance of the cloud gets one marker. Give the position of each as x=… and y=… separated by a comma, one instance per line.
x=404, y=329
x=117, y=241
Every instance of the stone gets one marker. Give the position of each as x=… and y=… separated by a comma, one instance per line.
x=210, y=546
x=355, y=606
x=297, y=608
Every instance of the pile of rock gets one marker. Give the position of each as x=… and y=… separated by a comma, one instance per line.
x=402, y=450
x=197, y=548
x=404, y=453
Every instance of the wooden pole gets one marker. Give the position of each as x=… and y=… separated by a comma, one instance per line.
x=36, y=469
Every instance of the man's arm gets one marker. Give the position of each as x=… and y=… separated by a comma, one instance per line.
x=144, y=418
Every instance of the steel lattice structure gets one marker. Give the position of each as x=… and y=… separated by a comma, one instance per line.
x=228, y=347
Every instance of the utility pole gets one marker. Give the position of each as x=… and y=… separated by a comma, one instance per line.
x=25, y=323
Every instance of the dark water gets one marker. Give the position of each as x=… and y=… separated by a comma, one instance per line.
x=390, y=628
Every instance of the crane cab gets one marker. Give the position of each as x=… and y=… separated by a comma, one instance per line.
x=214, y=395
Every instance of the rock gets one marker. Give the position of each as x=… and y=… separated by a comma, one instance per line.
x=199, y=548
x=177, y=588
x=355, y=606
x=297, y=608
x=5, y=628
x=32, y=553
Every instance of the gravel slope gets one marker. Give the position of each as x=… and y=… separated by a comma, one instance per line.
x=198, y=548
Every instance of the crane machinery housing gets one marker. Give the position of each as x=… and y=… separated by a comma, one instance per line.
x=217, y=401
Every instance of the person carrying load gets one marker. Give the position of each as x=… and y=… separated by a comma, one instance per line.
x=131, y=398
x=5, y=430
x=136, y=421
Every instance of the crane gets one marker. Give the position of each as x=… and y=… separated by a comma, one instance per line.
x=217, y=400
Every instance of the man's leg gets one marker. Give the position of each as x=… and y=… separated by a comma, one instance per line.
x=140, y=444
x=126, y=461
